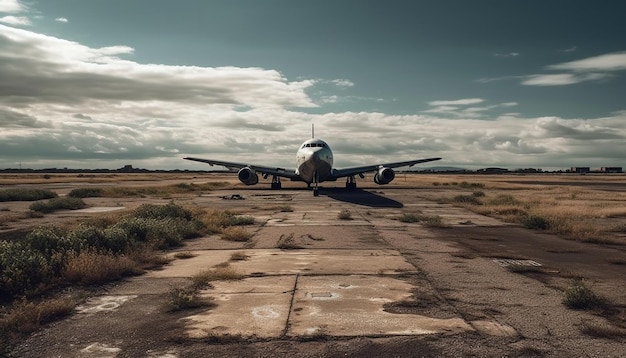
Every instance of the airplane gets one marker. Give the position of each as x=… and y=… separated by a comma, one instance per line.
x=314, y=164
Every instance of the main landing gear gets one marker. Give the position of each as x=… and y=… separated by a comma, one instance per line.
x=276, y=182
x=316, y=189
x=351, y=183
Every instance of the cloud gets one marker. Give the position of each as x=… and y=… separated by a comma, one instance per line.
x=509, y=54
x=563, y=79
x=43, y=69
x=570, y=49
x=61, y=19
x=64, y=104
x=11, y=6
x=343, y=83
x=461, y=102
x=462, y=108
x=609, y=62
x=589, y=69
x=16, y=20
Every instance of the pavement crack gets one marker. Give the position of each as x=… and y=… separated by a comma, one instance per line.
x=293, y=295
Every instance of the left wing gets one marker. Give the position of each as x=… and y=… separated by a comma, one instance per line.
x=339, y=173
x=232, y=166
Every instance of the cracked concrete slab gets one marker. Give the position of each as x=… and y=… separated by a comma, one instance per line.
x=257, y=307
x=353, y=305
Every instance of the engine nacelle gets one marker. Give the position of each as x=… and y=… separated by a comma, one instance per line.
x=384, y=176
x=247, y=176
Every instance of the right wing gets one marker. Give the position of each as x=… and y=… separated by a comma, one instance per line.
x=232, y=166
x=338, y=173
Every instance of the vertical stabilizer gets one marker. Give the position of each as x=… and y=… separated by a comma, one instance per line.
x=312, y=130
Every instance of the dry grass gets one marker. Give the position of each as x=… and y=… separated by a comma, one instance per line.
x=239, y=256
x=184, y=255
x=25, y=317
x=204, y=278
x=576, y=213
x=235, y=233
x=344, y=214
x=88, y=268
x=288, y=242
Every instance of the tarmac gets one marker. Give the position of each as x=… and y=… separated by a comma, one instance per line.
x=371, y=276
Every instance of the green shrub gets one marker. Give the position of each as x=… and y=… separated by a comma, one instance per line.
x=85, y=193
x=22, y=270
x=171, y=210
x=26, y=194
x=55, y=204
x=91, y=253
x=535, y=222
x=580, y=297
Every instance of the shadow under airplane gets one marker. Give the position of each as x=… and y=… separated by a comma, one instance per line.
x=361, y=197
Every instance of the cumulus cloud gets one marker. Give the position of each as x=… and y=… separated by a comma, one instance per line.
x=11, y=6
x=65, y=104
x=37, y=68
x=61, y=19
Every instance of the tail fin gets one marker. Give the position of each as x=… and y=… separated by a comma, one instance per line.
x=312, y=130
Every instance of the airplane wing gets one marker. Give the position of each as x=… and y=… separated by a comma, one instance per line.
x=340, y=173
x=232, y=166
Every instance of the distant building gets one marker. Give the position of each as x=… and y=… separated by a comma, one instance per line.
x=611, y=170
x=492, y=170
x=580, y=169
x=126, y=169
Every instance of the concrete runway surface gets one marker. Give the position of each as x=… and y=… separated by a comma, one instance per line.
x=368, y=286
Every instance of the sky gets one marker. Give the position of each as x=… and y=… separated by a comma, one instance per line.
x=482, y=83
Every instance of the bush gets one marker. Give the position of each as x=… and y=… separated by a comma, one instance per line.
x=26, y=194
x=535, y=222
x=344, y=214
x=85, y=193
x=91, y=253
x=171, y=210
x=288, y=242
x=181, y=298
x=505, y=200
x=55, y=204
x=22, y=271
x=234, y=220
x=580, y=297
x=467, y=199
x=465, y=184
x=236, y=234
x=409, y=218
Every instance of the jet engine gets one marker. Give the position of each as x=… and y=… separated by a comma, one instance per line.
x=247, y=176
x=384, y=176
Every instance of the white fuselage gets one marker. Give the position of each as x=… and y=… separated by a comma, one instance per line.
x=314, y=161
